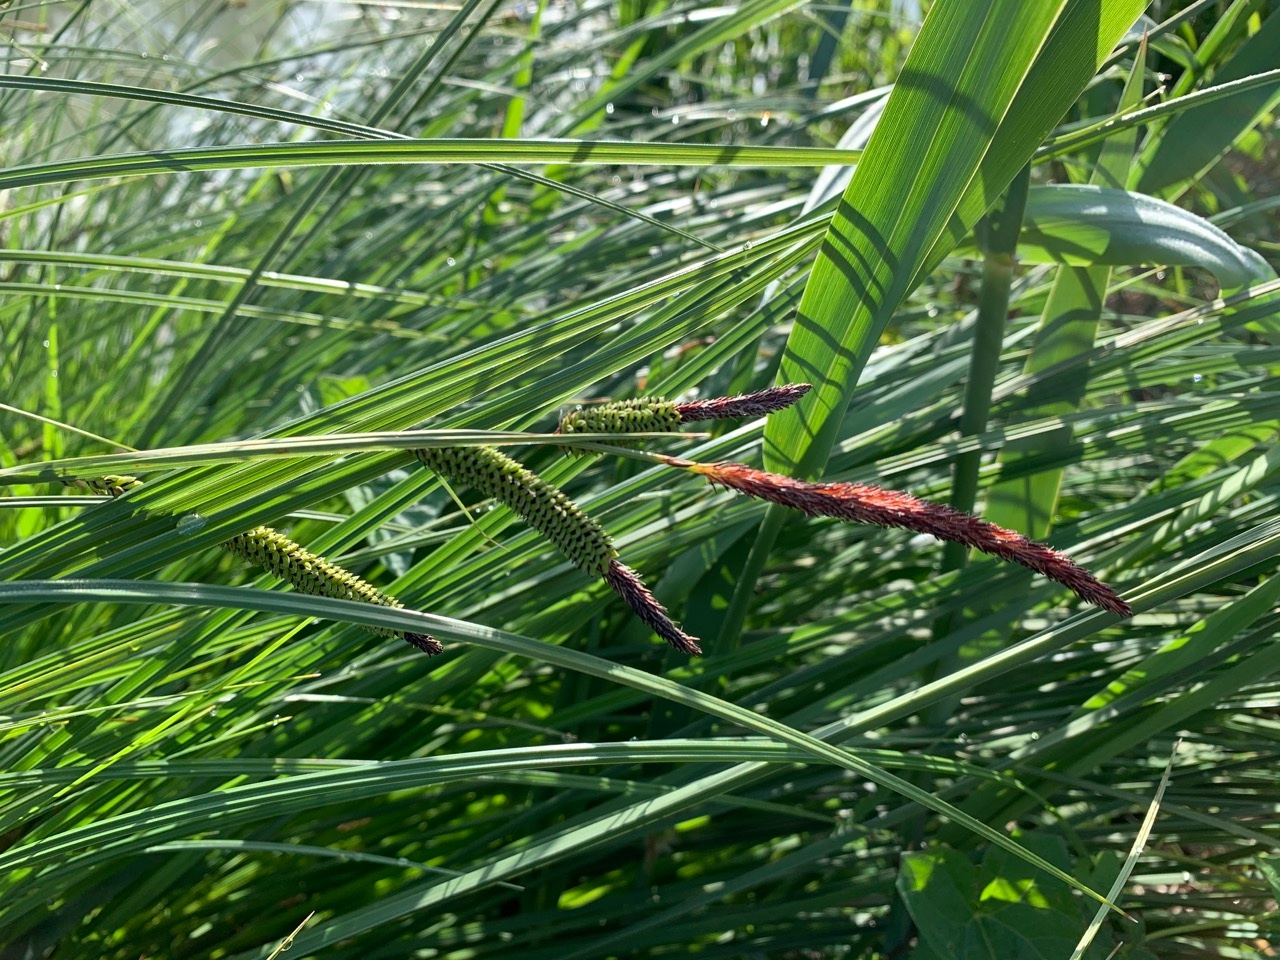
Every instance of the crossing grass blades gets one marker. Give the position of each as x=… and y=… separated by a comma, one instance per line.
x=307, y=572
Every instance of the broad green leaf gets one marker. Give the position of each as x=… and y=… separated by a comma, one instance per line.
x=992, y=911
x=1060, y=72
x=1088, y=226
x=1068, y=326
x=946, y=115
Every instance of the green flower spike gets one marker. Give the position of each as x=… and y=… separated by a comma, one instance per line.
x=638, y=415
x=656, y=415
x=545, y=508
x=308, y=572
x=314, y=575
x=539, y=503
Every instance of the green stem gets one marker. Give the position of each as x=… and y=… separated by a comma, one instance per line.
x=998, y=236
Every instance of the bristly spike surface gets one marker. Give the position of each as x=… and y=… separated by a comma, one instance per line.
x=656, y=415
x=560, y=520
x=628, y=585
x=314, y=575
x=308, y=572
x=542, y=505
x=638, y=415
x=862, y=503
x=760, y=403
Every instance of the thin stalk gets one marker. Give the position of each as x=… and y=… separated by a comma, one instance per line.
x=999, y=240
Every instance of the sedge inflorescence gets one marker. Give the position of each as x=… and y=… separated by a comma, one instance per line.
x=586, y=544
x=312, y=574
x=637, y=415
x=569, y=528
x=541, y=504
x=307, y=572
x=864, y=503
x=657, y=415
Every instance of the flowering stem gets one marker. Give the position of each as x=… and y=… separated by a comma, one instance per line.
x=308, y=572
x=569, y=528
x=657, y=415
x=863, y=503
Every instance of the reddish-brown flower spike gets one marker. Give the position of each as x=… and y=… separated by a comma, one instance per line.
x=628, y=585
x=761, y=403
x=862, y=503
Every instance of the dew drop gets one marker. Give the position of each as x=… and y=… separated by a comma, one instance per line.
x=191, y=523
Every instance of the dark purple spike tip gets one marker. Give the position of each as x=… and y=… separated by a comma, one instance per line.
x=761, y=403
x=425, y=642
x=631, y=588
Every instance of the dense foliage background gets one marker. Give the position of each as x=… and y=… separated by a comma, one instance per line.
x=229, y=220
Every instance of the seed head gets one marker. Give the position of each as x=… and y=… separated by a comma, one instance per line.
x=761, y=403
x=308, y=572
x=542, y=505
x=560, y=520
x=628, y=585
x=312, y=574
x=637, y=415
x=656, y=415
x=862, y=503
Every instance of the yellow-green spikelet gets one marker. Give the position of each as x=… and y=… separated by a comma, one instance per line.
x=637, y=415
x=112, y=485
x=542, y=505
x=308, y=572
